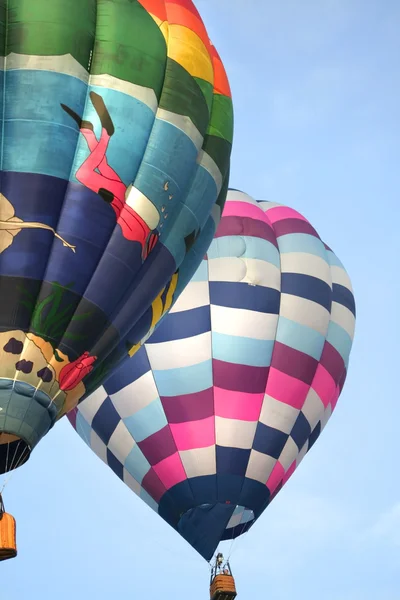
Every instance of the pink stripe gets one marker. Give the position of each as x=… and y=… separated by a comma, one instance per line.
x=278, y=213
x=277, y=475
x=170, y=471
x=237, y=405
x=286, y=389
x=289, y=472
x=335, y=398
x=324, y=384
x=245, y=209
x=194, y=434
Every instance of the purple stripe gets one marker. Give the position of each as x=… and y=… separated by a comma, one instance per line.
x=294, y=226
x=294, y=363
x=333, y=362
x=189, y=407
x=240, y=378
x=158, y=446
x=153, y=485
x=246, y=226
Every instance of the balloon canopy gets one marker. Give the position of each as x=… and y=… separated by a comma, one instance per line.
x=212, y=416
x=117, y=123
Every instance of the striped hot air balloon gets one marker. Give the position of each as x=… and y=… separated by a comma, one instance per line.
x=212, y=416
x=116, y=121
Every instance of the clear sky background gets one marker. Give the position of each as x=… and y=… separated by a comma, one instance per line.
x=317, y=99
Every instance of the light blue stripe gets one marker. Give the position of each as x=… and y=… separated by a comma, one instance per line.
x=146, y=421
x=184, y=380
x=201, y=273
x=202, y=195
x=133, y=121
x=300, y=337
x=83, y=428
x=137, y=464
x=302, y=242
x=148, y=499
x=40, y=137
x=334, y=260
x=244, y=247
x=242, y=350
x=340, y=339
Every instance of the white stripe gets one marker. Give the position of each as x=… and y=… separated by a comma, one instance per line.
x=237, y=196
x=278, y=415
x=143, y=94
x=340, y=276
x=131, y=482
x=180, y=353
x=305, y=312
x=121, y=442
x=243, y=322
x=98, y=446
x=135, y=396
x=288, y=454
x=195, y=294
x=313, y=408
x=245, y=270
x=211, y=166
x=233, y=433
x=183, y=123
x=266, y=206
x=260, y=466
x=65, y=64
x=307, y=264
x=89, y=407
x=68, y=65
x=143, y=207
x=344, y=317
x=200, y=461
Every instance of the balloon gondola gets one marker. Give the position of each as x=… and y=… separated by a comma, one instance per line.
x=8, y=541
x=222, y=583
x=214, y=413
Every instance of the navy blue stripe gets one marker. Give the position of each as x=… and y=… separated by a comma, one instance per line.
x=185, y=324
x=242, y=295
x=130, y=370
x=115, y=464
x=342, y=295
x=105, y=421
x=308, y=287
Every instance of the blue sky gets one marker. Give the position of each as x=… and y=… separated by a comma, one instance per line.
x=317, y=96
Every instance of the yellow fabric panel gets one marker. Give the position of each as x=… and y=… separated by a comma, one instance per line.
x=187, y=49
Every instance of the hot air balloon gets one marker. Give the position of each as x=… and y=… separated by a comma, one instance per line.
x=214, y=413
x=116, y=121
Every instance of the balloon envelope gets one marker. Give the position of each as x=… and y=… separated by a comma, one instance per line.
x=211, y=417
x=116, y=123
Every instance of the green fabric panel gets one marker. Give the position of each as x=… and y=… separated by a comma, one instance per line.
x=2, y=26
x=219, y=150
x=207, y=90
x=182, y=95
x=223, y=193
x=51, y=27
x=129, y=45
x=221, y=122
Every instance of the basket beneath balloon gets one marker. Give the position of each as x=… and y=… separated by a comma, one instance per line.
x=222, y=588
x=8, y=541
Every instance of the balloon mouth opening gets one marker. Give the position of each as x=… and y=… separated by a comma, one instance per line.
x=14, y=452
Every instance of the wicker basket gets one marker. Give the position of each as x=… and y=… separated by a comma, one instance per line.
x=8, y=543
x=223, y=588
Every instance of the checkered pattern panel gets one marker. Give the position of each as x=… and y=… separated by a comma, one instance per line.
x=236, y=384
